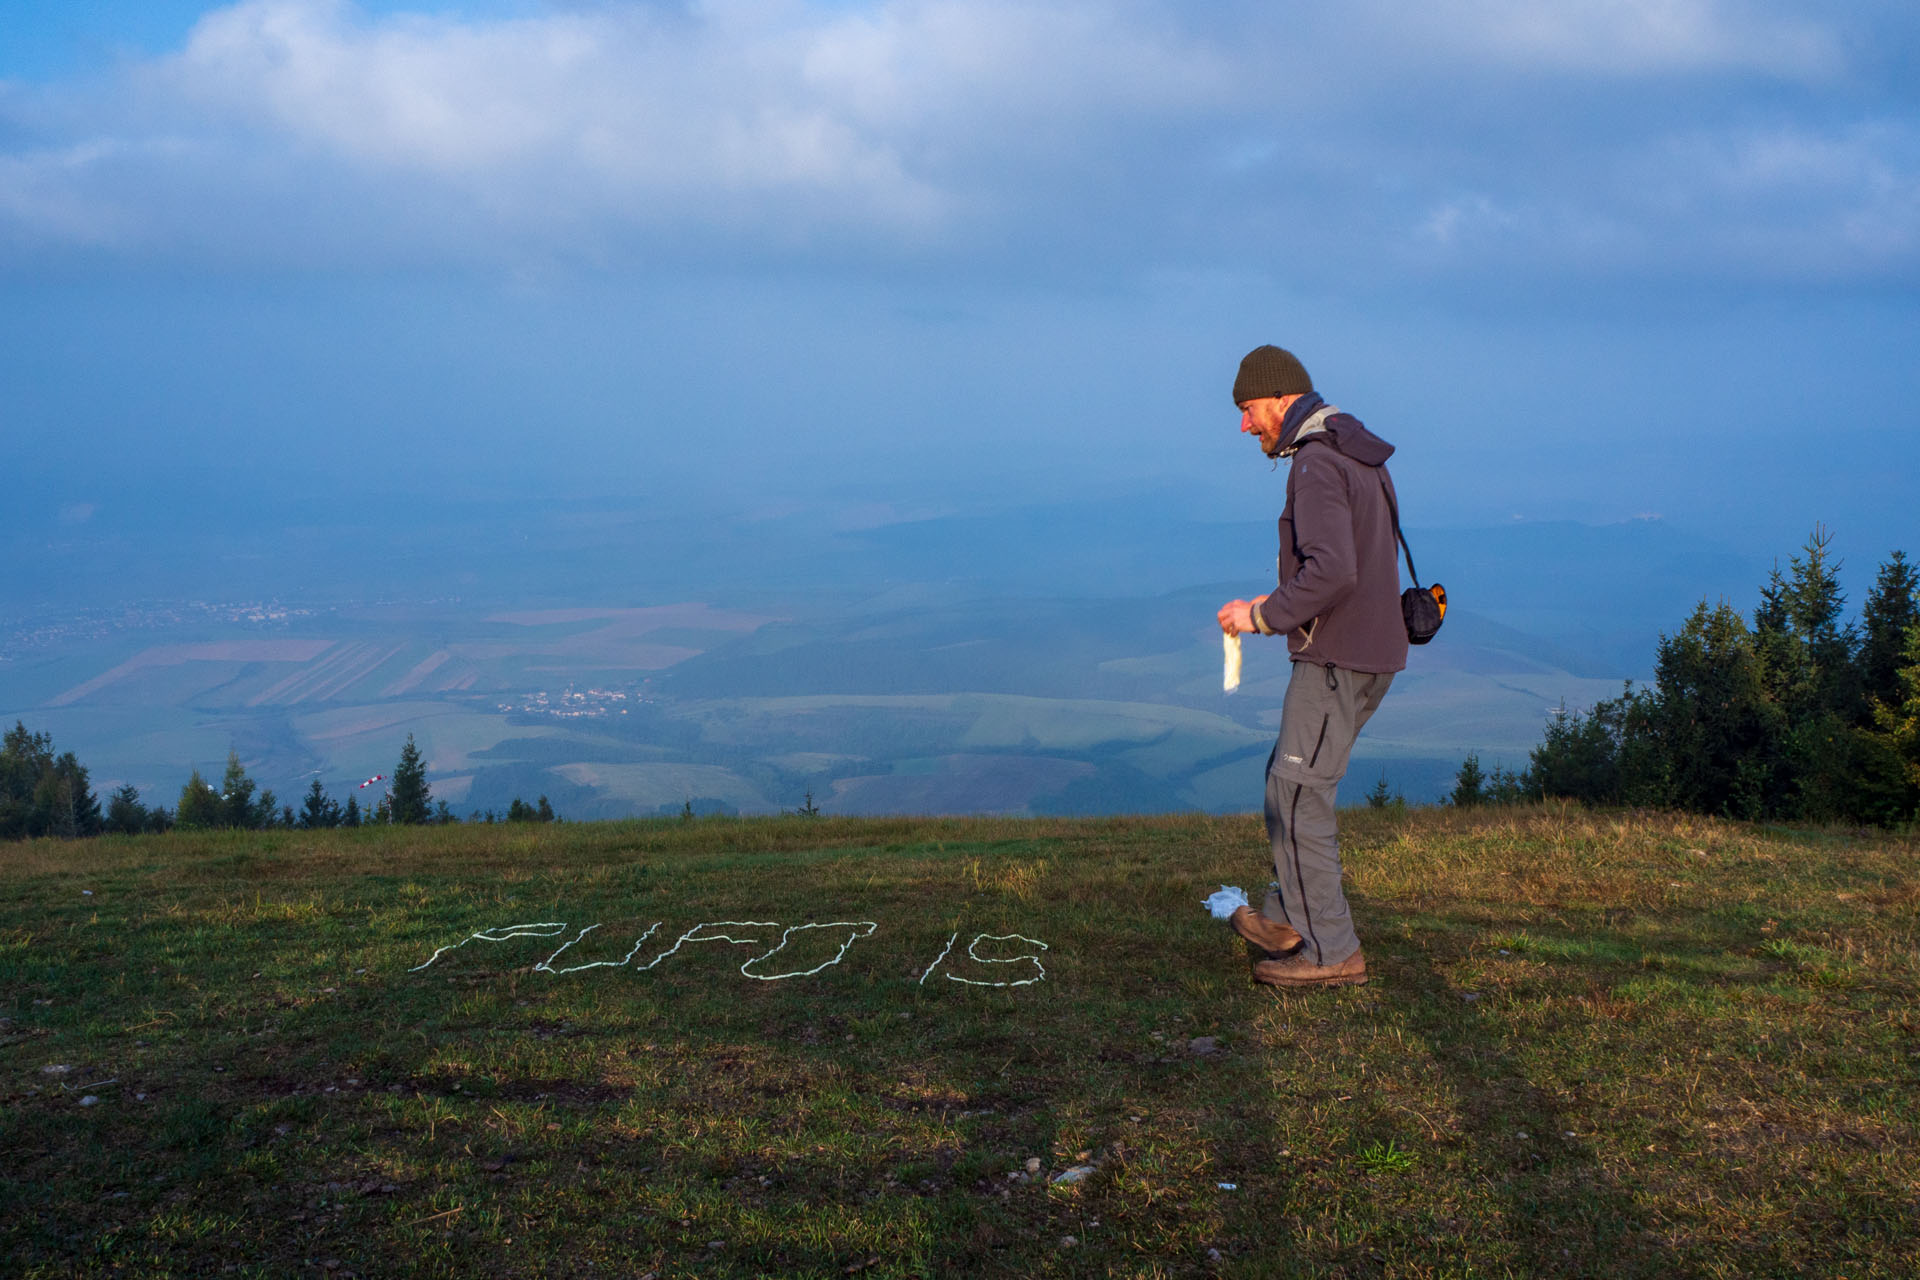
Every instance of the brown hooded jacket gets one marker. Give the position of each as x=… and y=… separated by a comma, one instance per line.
x=1338, y=598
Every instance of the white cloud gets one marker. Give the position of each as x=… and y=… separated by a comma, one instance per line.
x=40, y=197
x=1625, y=37
x=1844, y=200
x=741, y=112
x=1659, y=136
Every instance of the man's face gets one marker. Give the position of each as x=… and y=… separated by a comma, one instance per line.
x=1263, y=417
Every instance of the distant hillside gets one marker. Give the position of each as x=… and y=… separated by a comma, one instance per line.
x=1015, y=623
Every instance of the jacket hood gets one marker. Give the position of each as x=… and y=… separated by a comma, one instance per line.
x=1351, y=437
x=1311, y=417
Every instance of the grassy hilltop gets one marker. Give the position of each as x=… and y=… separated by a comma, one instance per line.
x=1599, y=1044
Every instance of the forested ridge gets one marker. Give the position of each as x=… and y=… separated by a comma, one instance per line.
x=43, y=794
x=1799, y=713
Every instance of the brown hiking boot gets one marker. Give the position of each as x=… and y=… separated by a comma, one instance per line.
x=1298, y=970
x=1270, y=936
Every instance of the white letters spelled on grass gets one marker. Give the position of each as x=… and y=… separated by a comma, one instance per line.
x=755, y=933
x=1040, y=971
x=546, y=929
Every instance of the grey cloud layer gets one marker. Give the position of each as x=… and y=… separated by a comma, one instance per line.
x=1720, y=139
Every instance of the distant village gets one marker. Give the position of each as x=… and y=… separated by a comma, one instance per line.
x=65, y=629
x=573, y=703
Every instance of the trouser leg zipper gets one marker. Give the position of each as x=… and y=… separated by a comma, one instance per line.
x=1319, y=742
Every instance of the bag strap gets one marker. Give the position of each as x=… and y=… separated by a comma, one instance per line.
x=1393, y=509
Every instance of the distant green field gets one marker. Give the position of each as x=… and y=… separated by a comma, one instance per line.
x=1107, y=708
x=1612, y=1044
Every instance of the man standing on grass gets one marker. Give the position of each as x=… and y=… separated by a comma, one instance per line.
x=1338, y=604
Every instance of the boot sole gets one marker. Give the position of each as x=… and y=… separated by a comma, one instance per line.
x=1356, y=980
x=1297, y=944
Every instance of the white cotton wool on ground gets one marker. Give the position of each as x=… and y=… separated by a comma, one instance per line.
x=1226, y=901
x=1232, y=643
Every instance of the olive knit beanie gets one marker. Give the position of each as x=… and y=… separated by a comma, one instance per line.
x=1270, y=371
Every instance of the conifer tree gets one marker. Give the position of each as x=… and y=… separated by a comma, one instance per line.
x=1805, y=715
x=410, y=801
x=25, y=758
x=236, y=795
x=1719, y=734
x=1504, y=786
x=1899, y=719
x=351, y=818
x=72, y=809
x=199, y=805
x=1892, y=611
x=1816, y=605
x=1467, y=783
x=125, y=814
x=1577, y=758
x=320, y=809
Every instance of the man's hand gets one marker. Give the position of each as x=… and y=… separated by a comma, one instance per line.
x=1236, y=616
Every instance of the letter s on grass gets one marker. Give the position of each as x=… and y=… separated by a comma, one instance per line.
x=1038, y=972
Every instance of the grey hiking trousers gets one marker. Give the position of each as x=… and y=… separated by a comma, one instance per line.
x=1325, y=709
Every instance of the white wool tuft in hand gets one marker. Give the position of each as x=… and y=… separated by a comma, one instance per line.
x=1226, y=902
x=1232, y=643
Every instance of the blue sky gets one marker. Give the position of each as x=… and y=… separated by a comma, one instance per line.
x=1600, y=260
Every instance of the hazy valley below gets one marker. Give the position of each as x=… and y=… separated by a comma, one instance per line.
x=1045, y=659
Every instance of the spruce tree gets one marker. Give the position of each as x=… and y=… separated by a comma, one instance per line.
x=1720, y=737
x=236, y=795
x=351, y=818
x=125, y=814
x=1824, y=750
x=1816, y=606
x=1892, y=611
x=320, y=809
x=1577, y=759
x=410, y=801
x=1505, y=787
x=1899, y=722
x=25, y=758
x=1467, y=783
x=72, y=808
x=199, y=805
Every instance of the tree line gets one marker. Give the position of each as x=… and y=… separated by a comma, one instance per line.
x=1799, y=713
x=43, y=794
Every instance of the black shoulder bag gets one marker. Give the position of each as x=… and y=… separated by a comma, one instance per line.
x=1423, y=608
